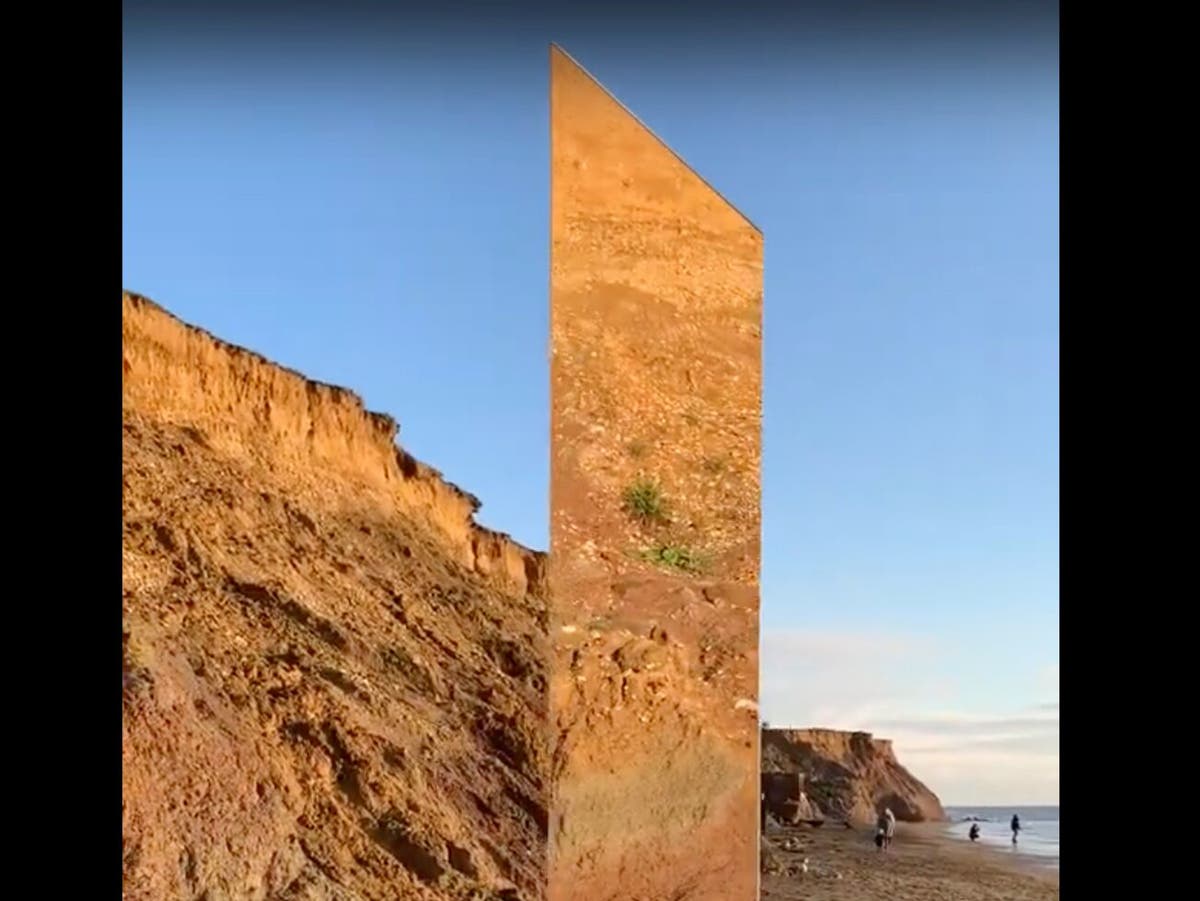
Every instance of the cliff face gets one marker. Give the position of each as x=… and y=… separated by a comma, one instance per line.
x=248, y=406
x=849, y=774
x=786, y=798
x=334, y=680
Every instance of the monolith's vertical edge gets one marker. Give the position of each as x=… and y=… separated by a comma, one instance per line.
x=656, y=375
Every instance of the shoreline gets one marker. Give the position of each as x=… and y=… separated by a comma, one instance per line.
x=939, y=832
x=926, y=862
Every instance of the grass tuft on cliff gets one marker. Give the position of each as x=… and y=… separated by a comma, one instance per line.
x=674, y=557
x=644, y=501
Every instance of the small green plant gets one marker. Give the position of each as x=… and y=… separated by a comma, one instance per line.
x=714, y=465
x=674, y=557
x=644, y=501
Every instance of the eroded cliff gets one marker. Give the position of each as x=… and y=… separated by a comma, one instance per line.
x=849, y=775
x=334, y=679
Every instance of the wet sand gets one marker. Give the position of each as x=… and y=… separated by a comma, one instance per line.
x=924, y=864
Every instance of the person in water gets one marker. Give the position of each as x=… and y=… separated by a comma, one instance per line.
x=1015, y=825
x=973, y=833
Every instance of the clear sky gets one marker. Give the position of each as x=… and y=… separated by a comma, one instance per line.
x=367, y=201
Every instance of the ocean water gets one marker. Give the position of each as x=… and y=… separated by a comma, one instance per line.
x=1039, y=829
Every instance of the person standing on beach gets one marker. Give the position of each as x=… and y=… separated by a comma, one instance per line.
x=885, y=829
x=1016, y=827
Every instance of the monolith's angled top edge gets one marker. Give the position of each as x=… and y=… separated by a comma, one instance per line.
x=556, y=48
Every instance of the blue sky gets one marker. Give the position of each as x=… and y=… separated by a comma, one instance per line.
x=371, y=209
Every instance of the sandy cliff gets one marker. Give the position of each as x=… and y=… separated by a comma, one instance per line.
x=334, y=680
x=849, y=775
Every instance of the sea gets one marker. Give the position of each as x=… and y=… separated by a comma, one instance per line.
x=1038, y=838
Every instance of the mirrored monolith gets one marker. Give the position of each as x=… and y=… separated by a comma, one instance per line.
x=656, y=387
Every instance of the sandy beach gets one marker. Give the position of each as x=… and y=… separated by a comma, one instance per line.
x=924, y=864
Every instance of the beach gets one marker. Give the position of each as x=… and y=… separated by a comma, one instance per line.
x=925, y=863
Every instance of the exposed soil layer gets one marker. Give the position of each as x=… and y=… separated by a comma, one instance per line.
x=334, y=681
x=656, y=306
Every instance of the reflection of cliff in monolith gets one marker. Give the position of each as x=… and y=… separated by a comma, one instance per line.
x=656, y=308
